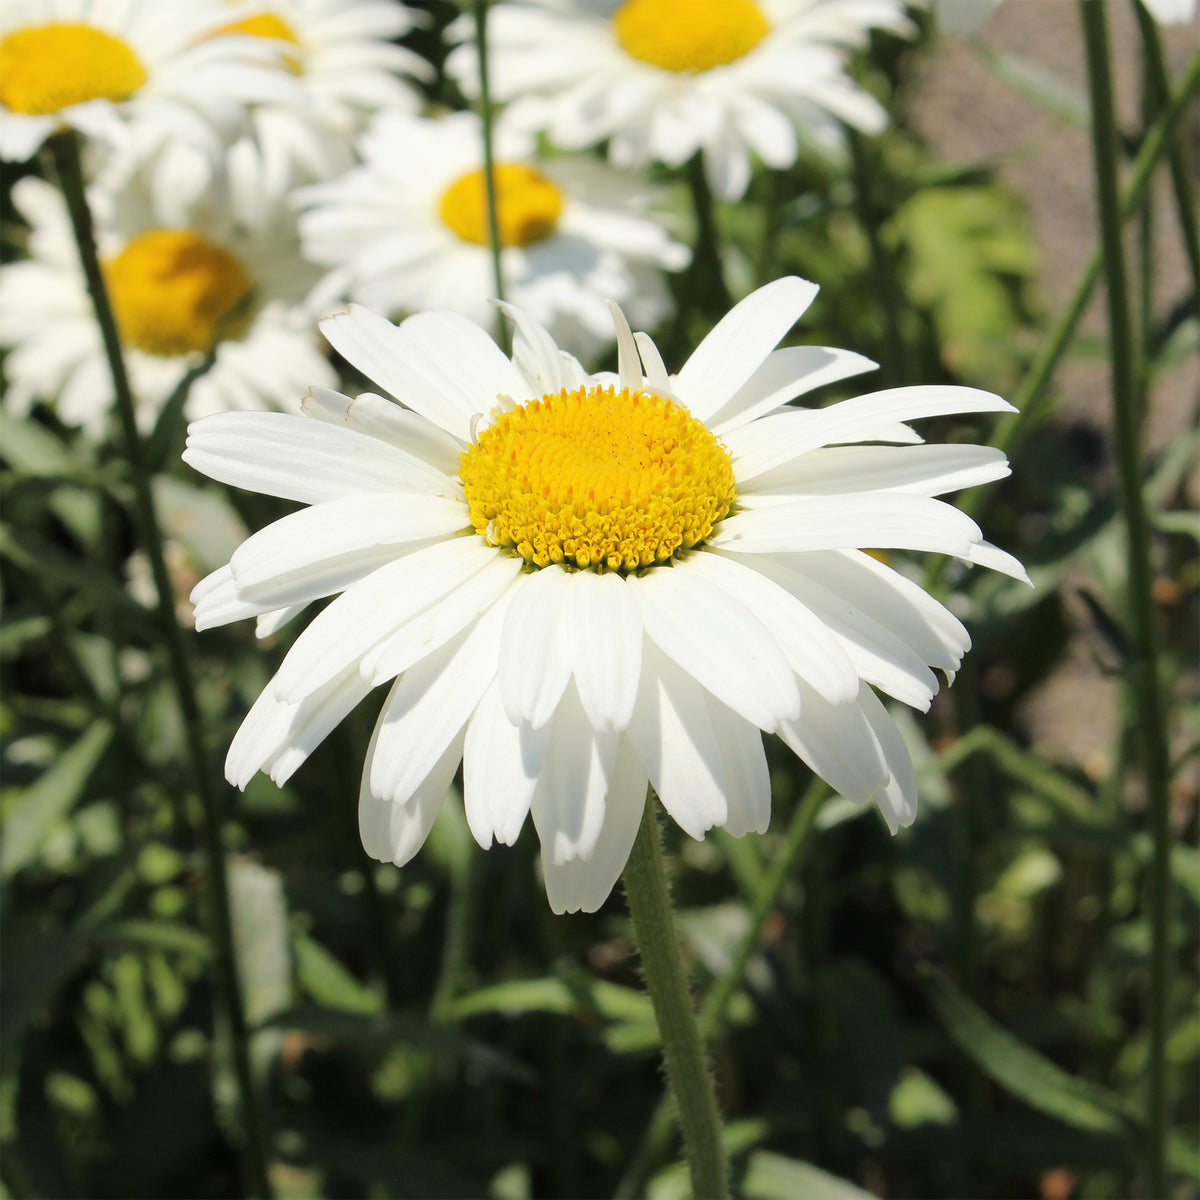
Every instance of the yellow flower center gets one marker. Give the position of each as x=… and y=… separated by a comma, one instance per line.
x=174, y=292
x=528, y=206
x=267, y=25
x=46, y=68
x=689, y=35
x=597, y=478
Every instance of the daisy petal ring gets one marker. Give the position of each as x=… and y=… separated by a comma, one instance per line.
x=575, y=584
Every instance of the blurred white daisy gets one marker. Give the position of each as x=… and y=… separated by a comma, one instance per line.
x=574, y=232
x=346, y=64
x=577, y=583
x=966, y=16
x=663, y=79
x=233, y=277
x=136, y=76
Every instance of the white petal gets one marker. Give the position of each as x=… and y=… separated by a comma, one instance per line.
x=652, y=364
x=497, y=786
x=898, y=799
x=217, y=601
x=270, y=623
x=747, y=779
x=568, y=803
x=778, y=438
x=545, y=367
x=375, y=607
x=604, y=632
x=291, y=457
x=984, y=554
x=810, y=649
x=672, y=733
x=739, y=344
x=719, y=643
x=583, y=885
x=880, y=520
x=785, y=374
x=629, y=367
x=535, y=656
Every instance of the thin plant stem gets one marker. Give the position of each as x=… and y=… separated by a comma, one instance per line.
x=1144, y=668
x=683, y=1050
x=486, y=120
x=65, y=149
x=715, y=1010
x=706, y=263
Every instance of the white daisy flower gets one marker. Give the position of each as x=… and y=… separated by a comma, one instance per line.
x=577, y=583
x=663, y=79
x=573, y=231
x=137, y=76
x=346, y=65
x=234, y=276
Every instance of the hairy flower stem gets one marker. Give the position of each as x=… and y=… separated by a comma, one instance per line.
x=486, y=121
x=1144, y=668
x=683, y=1050
x=65, y=149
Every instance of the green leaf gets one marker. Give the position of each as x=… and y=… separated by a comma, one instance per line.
x=328, y=982
x=773, y=1177
x=50, y=799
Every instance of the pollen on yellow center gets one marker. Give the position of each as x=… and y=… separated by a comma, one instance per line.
x=173, y=292
x=46, y=68
x=267, y=25
x=528, y=205
x=689, y=35
x=597, y=478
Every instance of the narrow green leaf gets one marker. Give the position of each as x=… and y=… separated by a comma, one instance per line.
x=773, y=1177
x=328, y=982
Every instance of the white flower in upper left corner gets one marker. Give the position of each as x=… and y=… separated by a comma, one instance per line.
x=137, y=77
x=574, y=232
x=576, y=583
x=235, y=278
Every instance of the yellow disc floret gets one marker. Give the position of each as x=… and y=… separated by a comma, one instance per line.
x=267, y=25
x=689, y=35
x=598, y=478
x=46, y=68
x=173, y=292
x=528, y=206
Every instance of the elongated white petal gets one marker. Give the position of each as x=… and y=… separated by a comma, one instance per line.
x=747, y=779
x=805, y=642
x=885, y=520
x=568, y=803
x=375, y=607
x=781, y=437
x=583, y=884
x=535, y=655
x=270, y=623
x=629, y=366
x=216, y=601
x=785, y=374
x=672, y=733
x=719, y=642
x=498, y=778
x=836, y=470
x=545, y=367
x=294, y=458
x=898, y=799
x=984, y=554
x=739, y=343
x=387, y=421
x=604, y=632
x=652, y=364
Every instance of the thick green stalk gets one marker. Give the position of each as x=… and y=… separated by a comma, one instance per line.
x=715, y=1009
x=65, y=148
x=489, y=160
x=1144, y=669
x=683, y=1050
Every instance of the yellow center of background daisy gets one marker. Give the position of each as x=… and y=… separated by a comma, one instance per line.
x=267, y=25
x=46, y=68
x=597, y=478
x=528, y=206
x=689, y=35
x=173, y=291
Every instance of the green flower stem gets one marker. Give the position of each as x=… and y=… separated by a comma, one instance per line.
x=683, y=1051
x=65, y=149
x=715, y=1009
x=706, y=274
x=1144, y=668
x=489, y=161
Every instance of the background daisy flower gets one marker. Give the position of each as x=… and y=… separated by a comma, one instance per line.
x=573, y=231
x=577, y=583
x=136, y=76
x=663, y=79
x=233, y=276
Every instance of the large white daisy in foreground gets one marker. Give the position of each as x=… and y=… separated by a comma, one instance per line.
x=573, y=231
x=663, y=79
x=138, y=75
x=577, y=583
